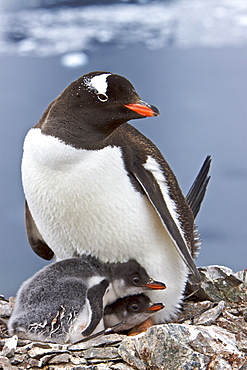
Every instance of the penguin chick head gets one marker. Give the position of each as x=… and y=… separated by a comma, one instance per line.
x=129, y=278
x=131, y=310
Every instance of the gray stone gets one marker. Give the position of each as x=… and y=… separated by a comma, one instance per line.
x=93, y=367
x=33, y=363
x=78, y=360
x=121, y=366
x=180, y=346
x=244, y=367
x=220, y=283
x=18, y=359
x=107, y=353
x=193, y=309
x=5, y=363
x=242, y=342
x=45, y=359
x=5, y=309
x=163, y=345
x=39, y=349
x=209, y=316
x=129, y=354
x=58, y=359
x=232, y=323
x=218, y=363
x=242, y=275
x=97, y=342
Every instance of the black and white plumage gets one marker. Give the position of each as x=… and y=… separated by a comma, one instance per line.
x=198, y=189
x=95, y=185
x=132, y=311
x=65, y=301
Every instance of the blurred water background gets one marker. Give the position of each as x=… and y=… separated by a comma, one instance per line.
x=189, y=58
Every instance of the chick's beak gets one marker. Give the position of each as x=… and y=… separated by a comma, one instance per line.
x=155, y=307
x=143, y=109
x=156, y=285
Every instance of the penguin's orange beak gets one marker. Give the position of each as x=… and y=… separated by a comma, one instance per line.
x=143, y=109
x=156, y=285
x=155, y=307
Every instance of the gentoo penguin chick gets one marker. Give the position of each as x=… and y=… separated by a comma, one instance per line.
x=131, y=310
x=65, y=301
x=95, y=185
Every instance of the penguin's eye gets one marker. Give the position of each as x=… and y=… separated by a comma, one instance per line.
x=134, y=307
x=136, y=280
x=102, y=97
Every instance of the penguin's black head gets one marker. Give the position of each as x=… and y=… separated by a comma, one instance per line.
x=131, y=278
x=113, y=96
x=92, y=107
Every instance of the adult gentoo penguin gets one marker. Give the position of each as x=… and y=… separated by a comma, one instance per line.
x=65, y=301
x=95, y=185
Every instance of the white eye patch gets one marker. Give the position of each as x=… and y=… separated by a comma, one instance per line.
x=99, y=85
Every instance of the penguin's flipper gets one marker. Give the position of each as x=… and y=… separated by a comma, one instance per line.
x=152, y=189
x=34, y=237
x=95, y=298
x=99, y=333
x=198, y=189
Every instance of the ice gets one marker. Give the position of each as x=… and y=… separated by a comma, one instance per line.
x=74, y=60
x=181, y=23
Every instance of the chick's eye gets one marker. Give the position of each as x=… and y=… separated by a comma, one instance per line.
x=102, y=97
x=134, y=307
x=136, y=280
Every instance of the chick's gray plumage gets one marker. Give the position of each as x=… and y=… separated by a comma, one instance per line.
x=65, y=301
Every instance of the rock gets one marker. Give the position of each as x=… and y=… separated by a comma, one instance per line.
x=59, y=359
x=5, y=364
x=9, y=346
x=97, y=342
x=191, y=310
x=77, y=360
x=220, y=283
x=209, y=316
x=121, y=366
x=106, y=354
x=18, y=359
x=39, y=349
x=218, y=363
x=5, y=309
x=209, y=334
x=242, y=342
x=180, y=346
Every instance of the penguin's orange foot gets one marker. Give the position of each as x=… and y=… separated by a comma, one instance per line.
x=141, y=327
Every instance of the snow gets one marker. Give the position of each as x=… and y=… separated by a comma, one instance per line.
x=181, y=23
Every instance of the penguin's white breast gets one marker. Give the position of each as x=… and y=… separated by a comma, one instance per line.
x=83, y=202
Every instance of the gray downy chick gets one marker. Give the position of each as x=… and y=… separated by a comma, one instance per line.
x=64, y=301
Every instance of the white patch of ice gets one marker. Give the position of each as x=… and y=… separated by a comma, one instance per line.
x=74, y=60
x=11, y=343
x=44, y=32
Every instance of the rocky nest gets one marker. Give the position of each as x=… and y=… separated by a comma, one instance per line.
x=209, y=334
